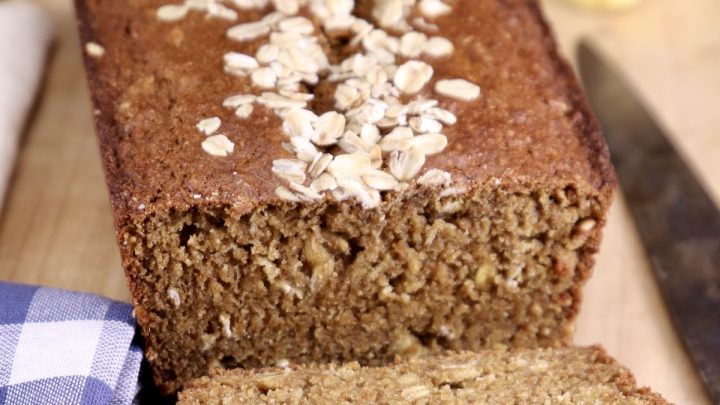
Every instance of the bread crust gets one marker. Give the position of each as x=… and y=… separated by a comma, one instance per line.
x=546, y=137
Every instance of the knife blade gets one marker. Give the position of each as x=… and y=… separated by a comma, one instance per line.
x=677, y=220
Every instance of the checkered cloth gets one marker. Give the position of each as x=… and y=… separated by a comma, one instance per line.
x=62, y=347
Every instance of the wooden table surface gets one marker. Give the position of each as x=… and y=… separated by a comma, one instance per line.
x=56, y=229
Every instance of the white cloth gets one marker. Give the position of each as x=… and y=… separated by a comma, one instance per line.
x=62, y=347
x=25, y=34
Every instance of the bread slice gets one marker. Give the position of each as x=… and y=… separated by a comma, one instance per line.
x=486, y=244
x=541, y=376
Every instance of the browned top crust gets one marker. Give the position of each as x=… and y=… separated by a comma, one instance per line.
x=530, y=128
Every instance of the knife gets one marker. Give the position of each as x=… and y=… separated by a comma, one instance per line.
x=677, y=220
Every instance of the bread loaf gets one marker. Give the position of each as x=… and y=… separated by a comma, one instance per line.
x=317, y=180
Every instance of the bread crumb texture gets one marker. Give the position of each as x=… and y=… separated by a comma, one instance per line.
x=559, y=376
x=423, y=273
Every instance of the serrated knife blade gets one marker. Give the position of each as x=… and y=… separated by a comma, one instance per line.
x=677, y=220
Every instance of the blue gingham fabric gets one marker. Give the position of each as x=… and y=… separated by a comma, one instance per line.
x=63, y=347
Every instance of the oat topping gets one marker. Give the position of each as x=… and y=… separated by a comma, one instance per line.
x=320, y=163
x=218, y=145
x=438, y=47
x=389, y=13
x=264, y=78
x=422, y=24
x=398, y=139
x=217, y=10
x=248, y=31
x=287, y=7
x=209, y=126
x=458, y=88
x=429, y=144
x=324, y=182
x=292, y=170
x=412, y=76
x=328, y=128
x=434, y=8
x=244, y=111
x=372, y=141
x=435, y=177
x=305, y=192
x=250, y=4
x=279, y=102
x=380, y=180
x=405, y=165
x=299, y=123
x=94, y=49
x=240, y=62
x=172, y=12
x=412, y=44
x=350, y=165
x=238, y=100
x=286, y=194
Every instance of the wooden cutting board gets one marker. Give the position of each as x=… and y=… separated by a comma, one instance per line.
x=57, y=230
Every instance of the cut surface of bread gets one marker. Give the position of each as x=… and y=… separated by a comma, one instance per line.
x=541, y=376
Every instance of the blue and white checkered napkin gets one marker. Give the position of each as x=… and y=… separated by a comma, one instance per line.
x=62, y=347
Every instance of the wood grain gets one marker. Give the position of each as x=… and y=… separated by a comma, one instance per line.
x=57, y=229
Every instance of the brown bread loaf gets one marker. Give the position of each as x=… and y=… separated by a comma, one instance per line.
x=345, y=182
